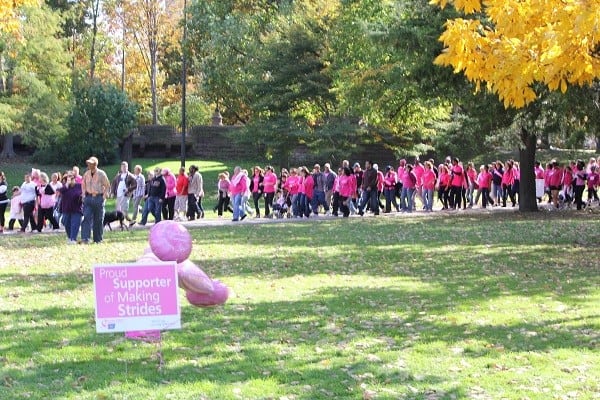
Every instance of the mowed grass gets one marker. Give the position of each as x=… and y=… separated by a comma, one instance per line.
x=500, y=306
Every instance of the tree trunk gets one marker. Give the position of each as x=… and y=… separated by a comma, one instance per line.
x=95, y=9
x=527, y=199
x=8, y=149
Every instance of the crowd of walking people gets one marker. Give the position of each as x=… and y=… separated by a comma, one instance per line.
x=77, y=202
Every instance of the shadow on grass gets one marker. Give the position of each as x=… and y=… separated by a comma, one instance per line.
x=328, y=344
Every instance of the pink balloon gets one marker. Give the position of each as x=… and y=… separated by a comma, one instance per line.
x=219, y=296
x=193, y=279
x=170, y=241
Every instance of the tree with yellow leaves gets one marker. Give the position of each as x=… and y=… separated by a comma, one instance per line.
x=9, y=13
x=519, y=49
x=512, y=45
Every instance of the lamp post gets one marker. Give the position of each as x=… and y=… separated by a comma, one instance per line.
x=183, y=84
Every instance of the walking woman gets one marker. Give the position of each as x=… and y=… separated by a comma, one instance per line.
x=3, y=199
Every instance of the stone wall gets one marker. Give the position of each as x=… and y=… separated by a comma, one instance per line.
x=217, y=142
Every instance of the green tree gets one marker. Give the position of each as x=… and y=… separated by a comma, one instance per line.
x=101, y=117
x=33, y=81
x=225, y=39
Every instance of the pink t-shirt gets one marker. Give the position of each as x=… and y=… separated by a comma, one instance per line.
x=554, y=177
x=567, y=178
x=309, y=185
x=428, y=179
x=484, y=180
x=269, y=182
x=457, y=175
x=539, y=172
x=418, y=170
x=380, y=180
x=293, y=184
x=508, y=178
x=347, y=185
x=472, y=175
x=444, y=179
x=407, y=182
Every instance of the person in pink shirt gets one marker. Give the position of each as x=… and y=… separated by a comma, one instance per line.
x=168, y=206
x=593, y=180
x=444, y=186
x=399, y=173
x=418, y=170
x=554, y=175
x=269, y=187
x=347, y=188
x=471, y=176
x=456, y=183
x=256, y=187
x=335, y=197
x=224, y=199
x=380, y=179
x=237, y=189
x=292, y=185
x=517, y=181
x=306, y=191
x=389, y=189
x=484, y=184
x=428, y=181
x=78, y=178
x=409, y=181
x=508, y=178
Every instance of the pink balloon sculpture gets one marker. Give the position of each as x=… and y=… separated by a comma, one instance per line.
x=193, y=279
x=219, y=296
x=148, y=258
x=170, y=241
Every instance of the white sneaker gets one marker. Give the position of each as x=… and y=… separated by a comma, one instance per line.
x=71, y=241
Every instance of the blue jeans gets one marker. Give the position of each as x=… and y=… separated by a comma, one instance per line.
x=296, y=206
x=406, y=199
x=304, y=205
x=369, y=197
x=93, y=215
x=154, y=206
x=428, y=198
x=319, y=198
x=72, y=222
x=238, y=210
x=390, y=199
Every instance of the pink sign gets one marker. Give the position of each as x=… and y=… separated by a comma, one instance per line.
x=132, y=297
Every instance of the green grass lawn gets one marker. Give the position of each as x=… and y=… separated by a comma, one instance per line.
x=500, y=306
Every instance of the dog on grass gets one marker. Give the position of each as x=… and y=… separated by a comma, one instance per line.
x=112, y=216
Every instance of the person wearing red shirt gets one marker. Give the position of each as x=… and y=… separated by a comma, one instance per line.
x=181, y=189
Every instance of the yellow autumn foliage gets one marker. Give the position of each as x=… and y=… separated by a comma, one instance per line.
x=523, y=42
x=9, y=17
